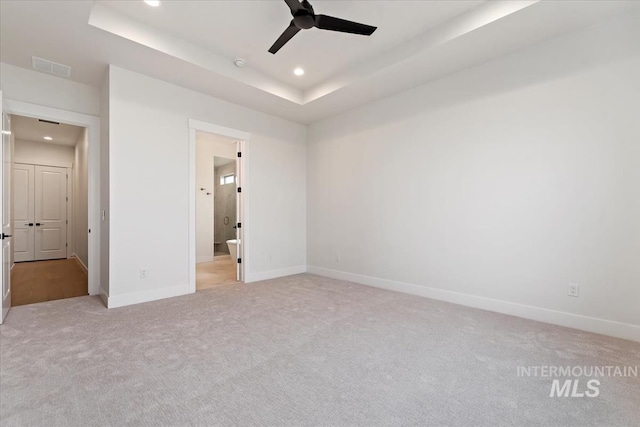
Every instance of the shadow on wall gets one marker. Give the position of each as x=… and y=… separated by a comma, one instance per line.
x=224, y=203
x=549, y=60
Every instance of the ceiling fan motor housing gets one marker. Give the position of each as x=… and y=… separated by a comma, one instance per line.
x=304, y=19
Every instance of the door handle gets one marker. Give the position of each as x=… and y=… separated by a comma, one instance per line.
x=38, y=224
x=30, y=224
x=5, y=236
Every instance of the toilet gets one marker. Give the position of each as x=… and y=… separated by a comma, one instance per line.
x=233, y=249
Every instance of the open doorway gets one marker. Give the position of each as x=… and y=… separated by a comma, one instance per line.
x=217, y=210
x=95, y=255
x=49, y=195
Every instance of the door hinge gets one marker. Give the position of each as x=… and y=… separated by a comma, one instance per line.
x=239, y=189
x=67, y=199
x=239, y=154
x=239, y=225
x=66, y=245
x=239, y=260
x=67, y=222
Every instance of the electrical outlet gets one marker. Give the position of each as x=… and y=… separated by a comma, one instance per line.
x=337, y=258
x=144, y=273
x=574, y=290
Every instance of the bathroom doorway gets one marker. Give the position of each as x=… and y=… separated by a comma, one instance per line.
x=217, y=210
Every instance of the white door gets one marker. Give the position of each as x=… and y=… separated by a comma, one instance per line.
x=50, y=212
x=5, y=189
x=239, y=214
x=23, y=213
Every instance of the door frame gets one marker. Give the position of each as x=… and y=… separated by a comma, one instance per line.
x=243, y=216
x=92, y=123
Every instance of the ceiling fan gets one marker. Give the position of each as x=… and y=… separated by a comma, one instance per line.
x=304, y=18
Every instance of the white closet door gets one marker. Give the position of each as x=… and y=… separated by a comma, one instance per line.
x=50, y=212
x=23, y=213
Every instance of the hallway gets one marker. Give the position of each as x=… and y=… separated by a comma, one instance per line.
x=40, y=281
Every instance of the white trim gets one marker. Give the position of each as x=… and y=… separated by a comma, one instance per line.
x=197, y=125
x=570, y=320
x=273, y=274
x=205, y=258
x=70, y=218
x=48, y=163
x=92, y=123
x=219, y=130
x=192, y=209
x=147, y=296
x=80, y=263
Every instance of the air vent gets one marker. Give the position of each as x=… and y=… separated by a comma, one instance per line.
x=48, y=121
x=50, y=67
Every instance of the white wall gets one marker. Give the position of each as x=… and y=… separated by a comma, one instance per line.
x=43, y=153
x=496, y=187
x=81, y=198
x=38, y=88
x=149, y=210
x=208, y=146
x=104, y=188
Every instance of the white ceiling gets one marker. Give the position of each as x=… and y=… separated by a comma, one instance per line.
x=30, y=129
x=193, y=44
x=221, y=161
x=246, y=29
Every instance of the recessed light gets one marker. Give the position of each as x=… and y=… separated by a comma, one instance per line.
x=239, y=62
x=298, y=71
x=48, y=138
x=154, y=3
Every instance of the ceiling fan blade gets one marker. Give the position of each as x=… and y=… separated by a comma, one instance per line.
x=294, y=5
x=307, y=5
x=325, y=22
x=291, y=31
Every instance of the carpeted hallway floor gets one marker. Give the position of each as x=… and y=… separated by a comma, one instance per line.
x=300, y=351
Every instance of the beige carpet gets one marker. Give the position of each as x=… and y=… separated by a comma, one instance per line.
x=298, y=351
x=41, y=281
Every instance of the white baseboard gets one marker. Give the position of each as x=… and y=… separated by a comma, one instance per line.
x=585, y=323
x=206, y=258
x=272, y=274
x=114, y=301
x=80, y=263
